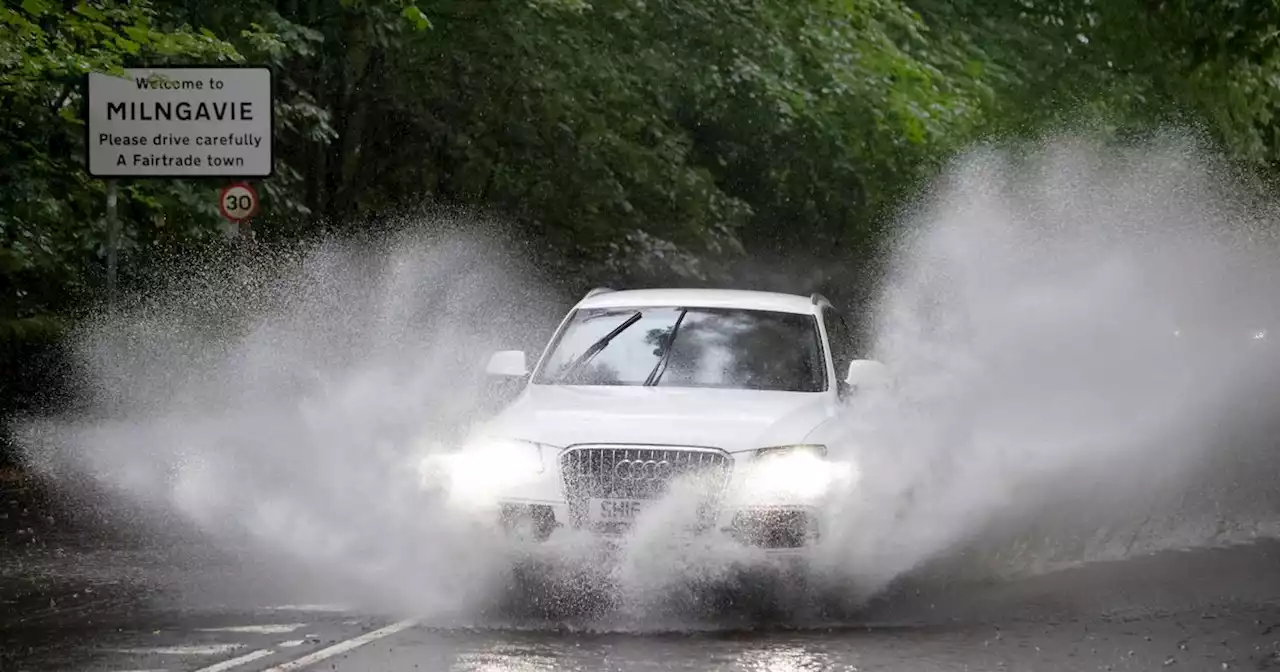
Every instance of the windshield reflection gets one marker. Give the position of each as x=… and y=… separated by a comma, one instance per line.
x=693, y=347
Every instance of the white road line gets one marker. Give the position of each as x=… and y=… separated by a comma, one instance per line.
x=343, y=647
x=237, y=662
x=292, y=643
x=193, y=650
x=310, y=607
x=272, y=629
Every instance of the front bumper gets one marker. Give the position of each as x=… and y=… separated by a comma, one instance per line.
x=703, y=493
x=775, y=528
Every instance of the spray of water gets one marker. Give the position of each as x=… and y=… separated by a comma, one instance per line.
x=1080, y=336
x=1073, y=332
x=283, y=406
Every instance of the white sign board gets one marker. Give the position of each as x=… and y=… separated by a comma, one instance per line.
x=181, y=122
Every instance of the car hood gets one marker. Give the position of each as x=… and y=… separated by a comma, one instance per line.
x=563, y=415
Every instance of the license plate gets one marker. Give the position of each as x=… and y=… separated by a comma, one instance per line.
x=615, y=510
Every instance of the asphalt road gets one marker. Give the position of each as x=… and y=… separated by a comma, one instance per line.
x=71, y=599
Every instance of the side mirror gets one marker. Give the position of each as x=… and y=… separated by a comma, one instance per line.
x=508, y=363
x=867, y=374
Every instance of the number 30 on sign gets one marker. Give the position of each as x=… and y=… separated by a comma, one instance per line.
x=238, y=202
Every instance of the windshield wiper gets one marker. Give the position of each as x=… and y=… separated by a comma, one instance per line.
x=661, y=367
x=599, y=345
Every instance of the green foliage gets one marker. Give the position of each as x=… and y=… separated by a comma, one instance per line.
x=632, y=137
x=622, y=131
x=1127, y=64
x=50, y=211
x=616, y=131
x=815, y=113
x=52, y=233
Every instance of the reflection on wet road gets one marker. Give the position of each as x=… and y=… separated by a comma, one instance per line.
x=1200, y=610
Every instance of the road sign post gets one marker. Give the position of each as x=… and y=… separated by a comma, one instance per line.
x=113, y=241
x=238, y=203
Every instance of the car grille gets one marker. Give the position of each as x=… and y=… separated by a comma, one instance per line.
x=640, y=472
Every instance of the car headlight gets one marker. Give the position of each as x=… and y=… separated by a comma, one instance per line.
x=794, y=472
x=484, y=468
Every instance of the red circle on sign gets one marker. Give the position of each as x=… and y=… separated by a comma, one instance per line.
x=234, y=195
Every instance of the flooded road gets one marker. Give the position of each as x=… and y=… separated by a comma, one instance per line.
x=116, y=604
x=1082, y=379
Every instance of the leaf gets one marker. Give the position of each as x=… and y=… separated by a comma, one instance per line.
x=137, y=34
x=90, y=12
x=416, y=17
x=128, y=45
x=36, y=7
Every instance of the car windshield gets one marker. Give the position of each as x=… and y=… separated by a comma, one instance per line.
x=688, y=347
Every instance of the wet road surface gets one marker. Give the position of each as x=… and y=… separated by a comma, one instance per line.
x=1217, y=610
x=118, y=605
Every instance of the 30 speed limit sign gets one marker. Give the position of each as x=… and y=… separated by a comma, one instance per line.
x=238, y=202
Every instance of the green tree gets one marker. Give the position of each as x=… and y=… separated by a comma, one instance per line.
x=51, y=211
x=1127, y=65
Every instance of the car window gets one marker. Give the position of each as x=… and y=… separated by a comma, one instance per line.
x=748, y=350
x=721, y=348
x=629, y=357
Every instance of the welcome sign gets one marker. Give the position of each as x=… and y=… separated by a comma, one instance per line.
x=181, y=122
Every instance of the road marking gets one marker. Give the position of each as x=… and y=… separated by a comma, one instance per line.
x=193, y=650
x=310, y=607
x=343, y=647
x=292, y=643
x=273, y=629
x=237, y=662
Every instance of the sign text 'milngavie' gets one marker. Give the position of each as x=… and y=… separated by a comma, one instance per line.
x=159, y=110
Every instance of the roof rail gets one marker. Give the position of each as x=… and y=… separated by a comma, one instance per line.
x=597, y=290
x=819, y=299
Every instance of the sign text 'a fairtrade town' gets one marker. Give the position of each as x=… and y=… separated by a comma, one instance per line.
x=180, y=122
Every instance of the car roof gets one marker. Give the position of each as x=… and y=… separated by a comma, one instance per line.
x=702, y=298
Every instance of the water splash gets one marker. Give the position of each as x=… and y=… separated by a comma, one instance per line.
x=1073, y=332
x=285, y=408
x=1076, y=335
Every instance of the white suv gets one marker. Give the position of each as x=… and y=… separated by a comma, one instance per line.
x=725, y=396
